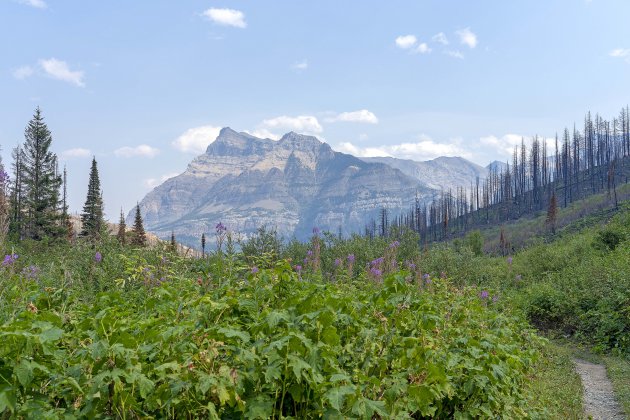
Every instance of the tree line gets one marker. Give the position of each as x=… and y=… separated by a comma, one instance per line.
x=33, y=198
x=583, y=162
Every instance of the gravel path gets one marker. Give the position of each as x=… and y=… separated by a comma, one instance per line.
x=599, y=398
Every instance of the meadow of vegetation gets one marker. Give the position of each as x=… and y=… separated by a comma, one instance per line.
x=335, y=327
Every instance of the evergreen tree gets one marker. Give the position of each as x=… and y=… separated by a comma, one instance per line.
x=139, y=237
x=40, y=181
x=122, y=229
x=203, y=244
x=173, y=244
x=92, y=219
x=552, y=213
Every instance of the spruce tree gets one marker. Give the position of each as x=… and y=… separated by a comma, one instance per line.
x=139, y=237
x=92, y=219
x=203, y=244
x=40, y=181
x=173, y=242
x=122, y=229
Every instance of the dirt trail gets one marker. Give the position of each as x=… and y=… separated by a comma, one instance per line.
x=599, y=398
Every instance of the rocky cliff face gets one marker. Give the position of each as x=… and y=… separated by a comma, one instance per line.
x=292, y=185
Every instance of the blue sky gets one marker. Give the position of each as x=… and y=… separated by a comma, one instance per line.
x=145, y=85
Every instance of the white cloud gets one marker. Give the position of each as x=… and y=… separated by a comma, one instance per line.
x=23, y=72
x=620, y=52
x=424, y=149
x=143, y=150
x=423, y=48
x=196, y=140
x=467, y=37
x=306, y=124
x=78, y=152
x=59, y=70
x=39, y=4
x=226, y=17
x=406, y=41
x=504, y=145
x=440, y=38
x=361, y=116
x=454, y=54
x=154, y=182
x=300, y=65
x=263, y=133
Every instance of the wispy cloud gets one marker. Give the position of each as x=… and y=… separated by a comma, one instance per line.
x=620, y=52
x=196, y=140
x=406, y=41
x=467, y=37
x=78, y=152
x=60, y=70
x=440, y=38
x=226, y=17
x=361, y=116
x=423, y=48
x=454, y=54
x=306, y=124
x=423, y=149
x=505, y=144
x=23, y=72
x=300, y=65
x=39, y=4
x=143, y=150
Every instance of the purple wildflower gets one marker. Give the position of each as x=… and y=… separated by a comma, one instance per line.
x=9, y=259
x=484, y=294
x=309, y=253
x=376, y=272
x=254, y=270
x=337, y=262
x=495, y=299
x=98, y=257
x=427, y=278
x=351, y=258
x=509, y=260
x=394, y=244
x=305, y=261
x=31, y=272
x=315, y=230
x=298, y=268
x=220, y=228
x=410, y=265
x=377, y=262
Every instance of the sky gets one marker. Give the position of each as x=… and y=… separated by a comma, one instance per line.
x=144, y=86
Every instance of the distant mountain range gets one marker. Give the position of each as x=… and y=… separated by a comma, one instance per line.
x=292, y=185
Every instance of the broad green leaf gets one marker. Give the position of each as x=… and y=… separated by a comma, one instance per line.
x=336, y=396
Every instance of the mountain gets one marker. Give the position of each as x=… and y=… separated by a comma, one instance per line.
x=293, y=184
x=440, y=173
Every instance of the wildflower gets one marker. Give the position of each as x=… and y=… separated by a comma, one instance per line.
x=376, y=272
x=305, y=261
x=337, y=262
x=427, y=278
x=98, y=257
x=484, y=294
x=315, y=230
x=351, y=258
x=309, y=253
x=254, y=270
x=509, y=260
x=9, y=259
x=495, y=299
x=411, y=265
x=220, y=228
x=394, y=244
x=199, y=281
x=31, y=272
x=377, y=262
x=298, y=268
x=31, y=308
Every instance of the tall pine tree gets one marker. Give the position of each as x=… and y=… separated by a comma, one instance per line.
x=139, y=237
x=122, y=229
x=40, y=181
x=93, y=223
